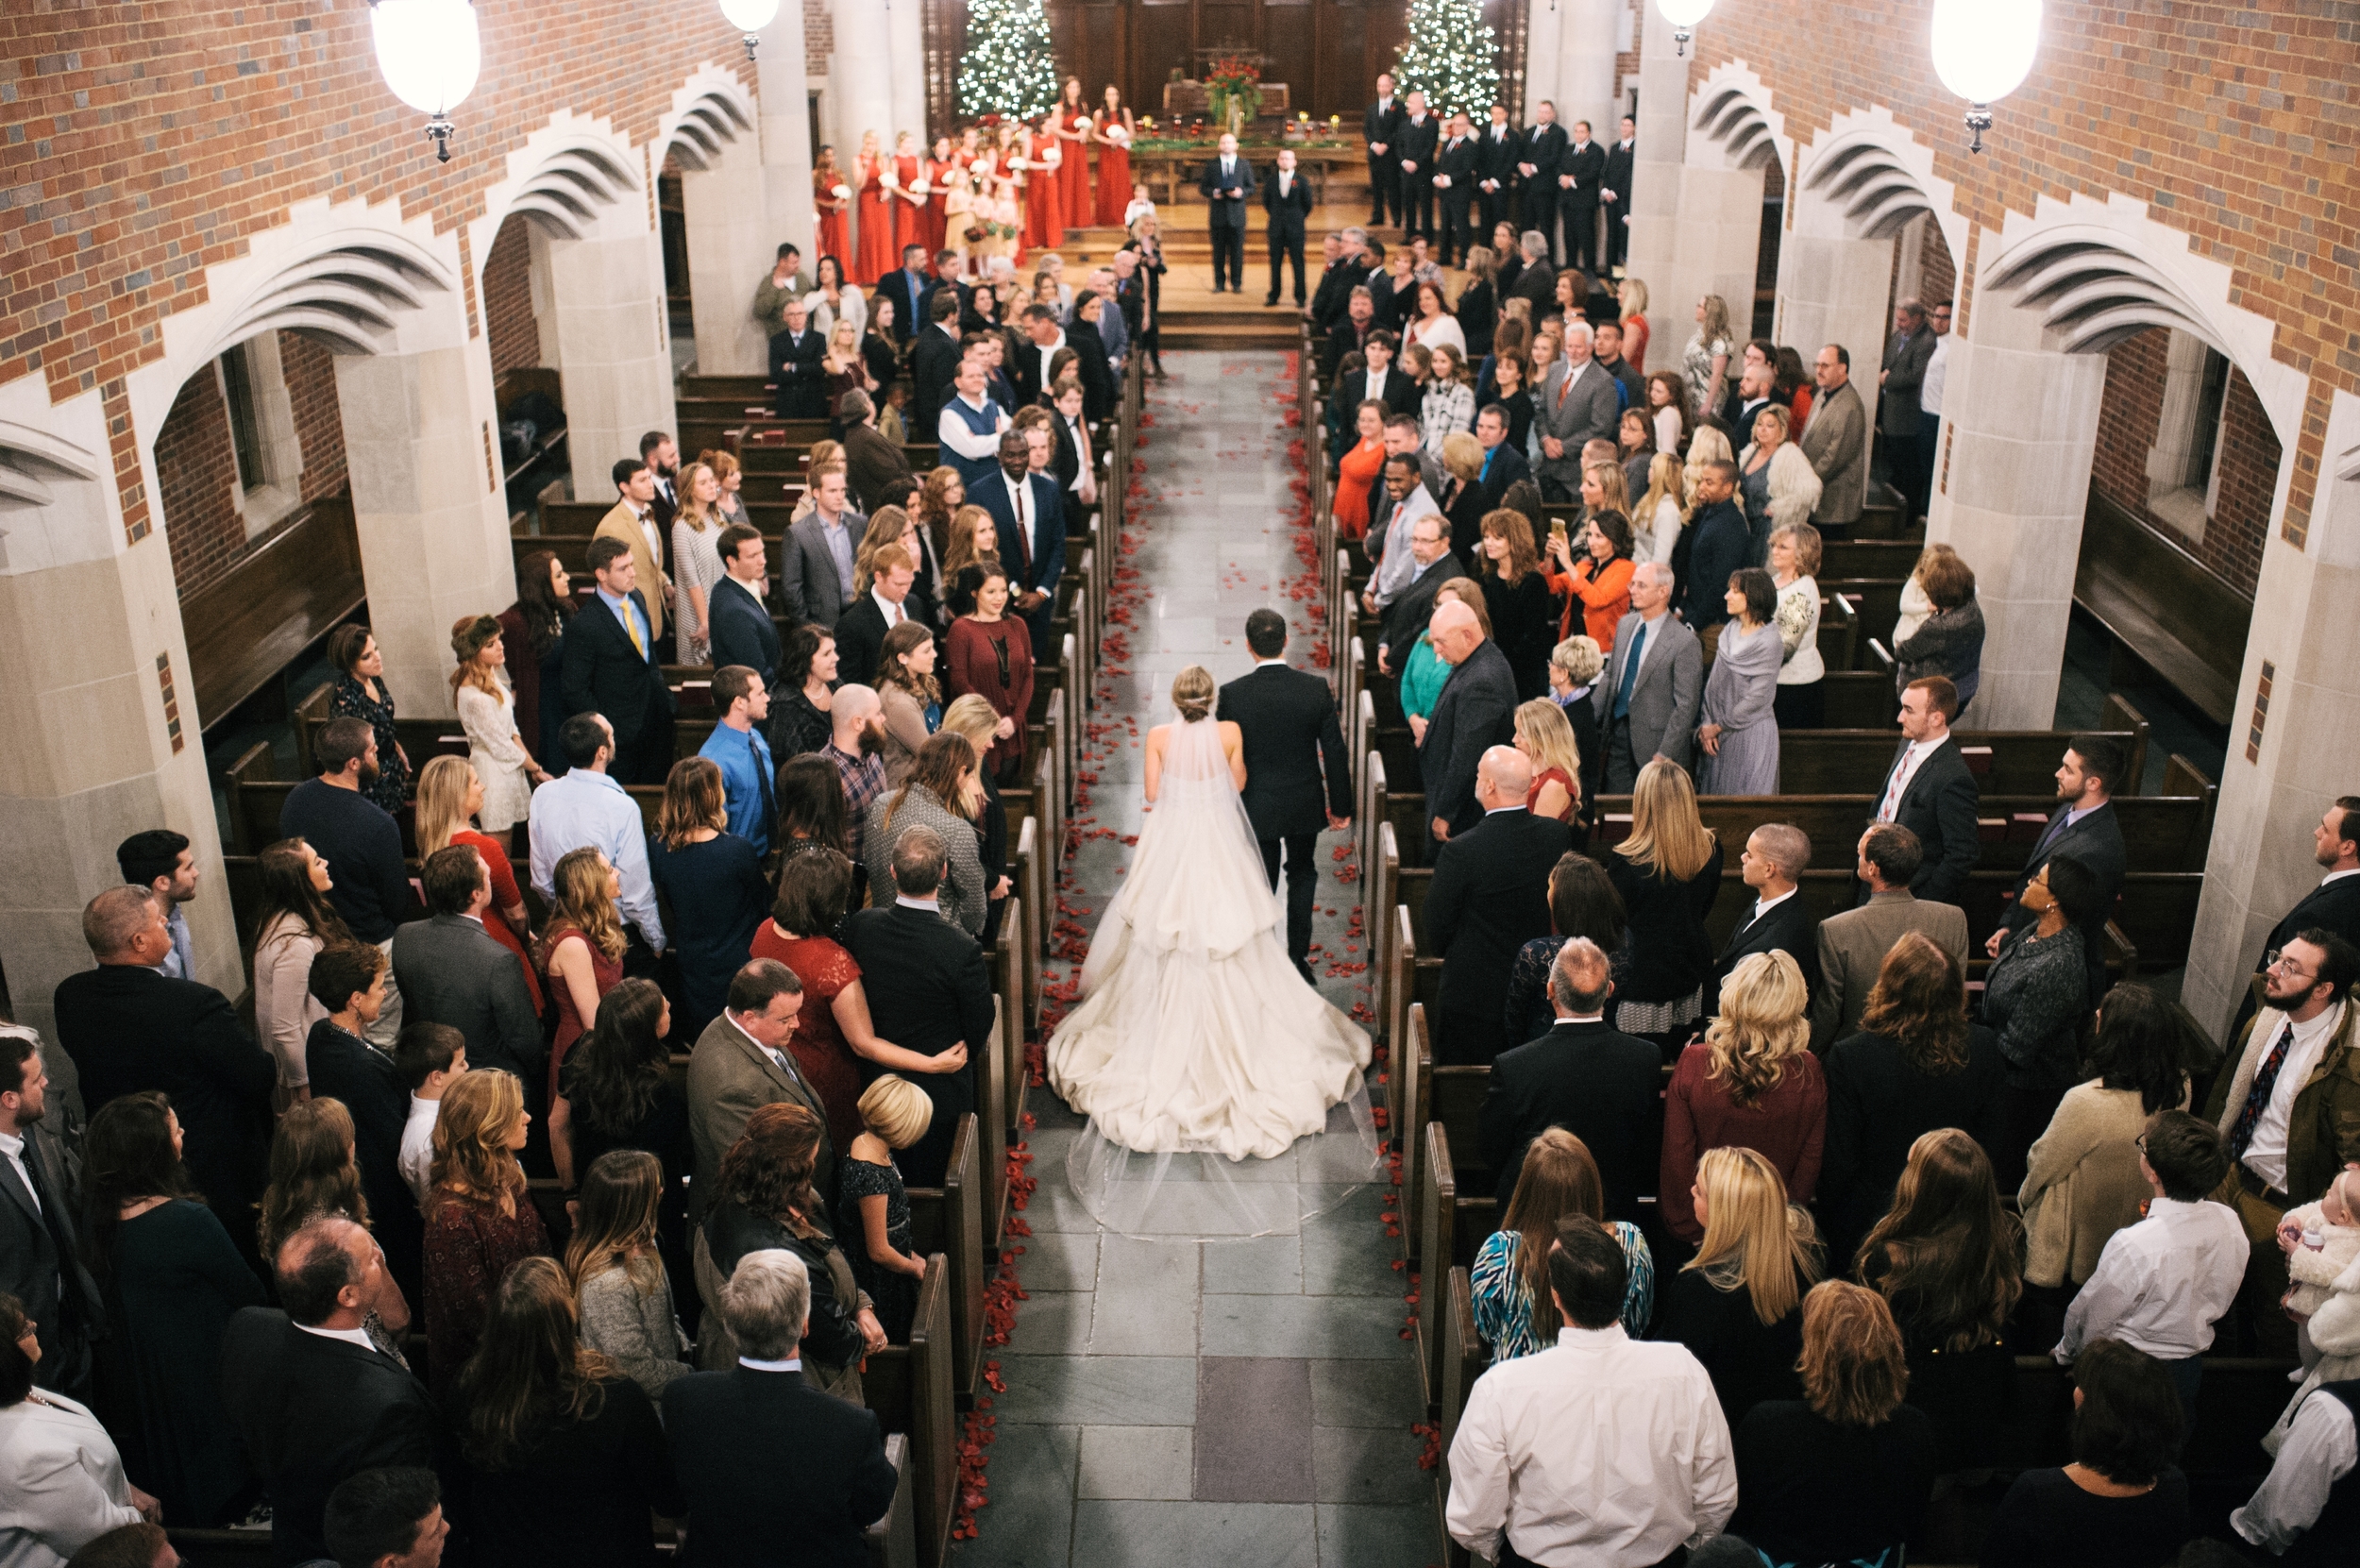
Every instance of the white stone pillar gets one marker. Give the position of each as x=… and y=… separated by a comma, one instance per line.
x=905, y=38
x=731, y=248
x=2019, y=426
x=1584, y=66
x=428, y=505
x=784, y=89
x=1832, y=288
x=91, y=757
x=860, y=83
x=1666, y=252
x=608, y=315
x=2304, y=606
x=1543, y=26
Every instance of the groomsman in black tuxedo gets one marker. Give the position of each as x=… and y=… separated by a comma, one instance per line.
x=1456, y=163
x=1287, y=719
x=1227, y=183
x=1286, y=201
x=1615, y=199
x=1420, y=134
x=1380, y=123
x=1495, y=170
x=1541, y=148
x=1580, y=175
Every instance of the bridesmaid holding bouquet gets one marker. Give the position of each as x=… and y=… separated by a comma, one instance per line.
x=1075, y=132
x=933, y=218
x=876, y=255
x=833, y=198
x=1114, y=133
x=909, y=195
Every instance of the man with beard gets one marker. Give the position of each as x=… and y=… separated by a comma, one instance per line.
x=859, y=736
x=334, y=815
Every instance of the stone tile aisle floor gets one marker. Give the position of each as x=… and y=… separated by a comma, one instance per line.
x=1242, y=1404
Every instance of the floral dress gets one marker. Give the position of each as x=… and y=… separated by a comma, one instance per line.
x=1502, y=1302
x=1696, y=369
x=894, y=1293
x=351, y=700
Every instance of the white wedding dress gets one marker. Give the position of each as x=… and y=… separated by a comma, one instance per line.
x=1196, y=1036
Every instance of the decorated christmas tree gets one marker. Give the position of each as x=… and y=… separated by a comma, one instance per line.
x=1450, y=58
x=1008, y=69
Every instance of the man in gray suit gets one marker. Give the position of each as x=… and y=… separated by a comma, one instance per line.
x=1578, y=403
x=1836, y=441
x=1852, y=946
x=465, y=978
x=741, y=1064
x=1645, y=698
x=816, y=568
x=1912, y=346
x=1476, y=711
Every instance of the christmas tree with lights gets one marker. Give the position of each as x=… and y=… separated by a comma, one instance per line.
x=1450, y=58
x=1009, y=68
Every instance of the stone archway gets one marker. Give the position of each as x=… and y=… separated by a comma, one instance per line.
x=711, y=133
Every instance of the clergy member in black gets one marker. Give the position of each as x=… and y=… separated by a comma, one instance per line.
x=1488, y=898
x=1287, y=721
x=1227, y=184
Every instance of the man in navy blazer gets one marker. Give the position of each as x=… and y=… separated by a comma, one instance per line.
x=1035, y=554
x=1489, y=897
x=1503, y=465
x=611, y=669
x=908, y=288
x=2085, y=827
x=743, y=631
x=1929, y=790
x=1603, y=1086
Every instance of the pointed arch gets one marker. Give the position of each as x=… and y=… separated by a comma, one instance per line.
x=1732, y=112
x=345, y=287
x=710, y=109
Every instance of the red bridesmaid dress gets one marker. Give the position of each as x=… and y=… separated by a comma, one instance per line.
x=876, y=255
x=909, y=219
x=1073, y=176
x=836, y=223
x=1113, y=183
x=933, y=223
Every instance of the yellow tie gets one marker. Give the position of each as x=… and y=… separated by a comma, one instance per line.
x=630, y=625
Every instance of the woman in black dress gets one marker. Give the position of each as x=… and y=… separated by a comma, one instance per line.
x=1668, y=870
x=711, y=880
x=169, y=1279
x=1524, y=619
x=569, y=1456
x=2121, y=1503
x=799, y=721
x=362, y=693
x=534, y=632
x=617, y=1092
x=1738, y=1304
x=1478, y=307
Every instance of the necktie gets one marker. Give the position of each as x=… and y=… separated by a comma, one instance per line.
x=2258, y=1097
x=630, y=624
x=1891, y=805
x=762, y=778
x=2056, y=826
x=1630, y=673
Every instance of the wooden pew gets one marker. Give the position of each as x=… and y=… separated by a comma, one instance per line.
x=244, y=630
x=1877, y=600
x=909, y=1387
x=1883, y=558
x=1456, y=1212
x=949, y=1219
x=1839, y=632
x=2006, y=762
x=1465, y=1358
x=1007, y=973
x=2167, y=611
x=991, y=1102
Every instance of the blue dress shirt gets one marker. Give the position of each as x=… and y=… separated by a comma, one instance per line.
x=744, y=758
x=582, y=809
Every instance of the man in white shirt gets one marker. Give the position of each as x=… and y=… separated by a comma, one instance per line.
x=584, y=807
x=430, y=1061
x=2289, y=1106
x=1601, y=1450
x=971, y=424
x=2161, y=1283
x=2310, y=1495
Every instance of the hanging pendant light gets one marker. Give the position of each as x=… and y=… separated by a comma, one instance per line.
x=1984, y=49
x=1683, y=15
x=429, y=53
x=749, y=17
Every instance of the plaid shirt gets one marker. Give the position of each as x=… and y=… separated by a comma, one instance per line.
x=864, y=781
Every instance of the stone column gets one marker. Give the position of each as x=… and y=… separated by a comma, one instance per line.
x=731, y=248
x=1667, y=253
x=905, y=36
x=1833, y=288
x=786, y=93
x=1543, y=26
x=90, y=756
x=1584, y=67
x=2304, y=606
x=860, y=84
x=2019, y=426
x=428, y=508
x=607, y=315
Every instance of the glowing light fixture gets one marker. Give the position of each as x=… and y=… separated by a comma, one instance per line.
x=1683, y=15
x=429, y=53
x=749, y=17
x=1984, y=49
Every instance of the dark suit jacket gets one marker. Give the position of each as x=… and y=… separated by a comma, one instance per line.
x=1498, y=160
x=1091, y=368
x=803, y=389
x=1905, y=374
x=743, y=631
x=41, y=1265
x=1476, y=711
x=1228, y=211
x=365, y=1080
x=1384, y=124
x=1415, y=143
x=2096, y=841
x=1537, y=284
x=452, y=971
x=129, y=1030
x=909, y=291
x=776, y=1472
x=1588, y=167
x=1940, y=807
x=1722, y=543
x=1789, y=928
x=1543, y=147
x=2330, y=907
x=1034, y=564
x=1334, y=295
x=1490, y=896
x=1618, y=172
x=933, y=364
x=313, y=1411
x=1461, y=161
x=1288, y=215
x=879, y=470
x=1287, y=719
x=1604, y=1087
x=604, y=673
x=1507, y=466
x=1405, y=617
x=1343, y=338
x=1396, y=391
x=860, y=633
x=937, y=993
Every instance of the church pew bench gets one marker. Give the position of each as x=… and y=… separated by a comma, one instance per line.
x=1839, y=632
x=949, y=1219
x=2166, y=612
x=1006, y=959
x=909, y=1388
x=245, y=630
x=1456, y=1212
x=1876, y=601
x=990, y=1069
x=2006, y=762
x=1380, y=874
x=1861, y=699
x=1465, y=1358
x=1880, y=559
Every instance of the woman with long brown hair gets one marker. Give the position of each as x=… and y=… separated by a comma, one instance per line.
x=991, y=655
x=569, y=1459
x=713, y=880
x=1668, y=870
x=1915, y=1064
x=941, y=792
x=311, y=1172
x=621, y=1286
x=450, y=794
x=1751, y=1081
x=296, y=923
x=1737, y=1304
x=1523, y=618
x=1512, y=1308
x=974, y=539
x=619, y=1093
x=487, y=713
x=479, y=1219
x=913, y=698
x=1582, y=902
x=1949, y=1258
x=534, y=629
x=696, y=561
x=582, y=948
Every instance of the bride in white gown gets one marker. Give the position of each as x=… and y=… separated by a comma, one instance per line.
x=1196, y=1035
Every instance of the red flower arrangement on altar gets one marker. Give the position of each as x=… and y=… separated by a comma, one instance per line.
x=1233, y=84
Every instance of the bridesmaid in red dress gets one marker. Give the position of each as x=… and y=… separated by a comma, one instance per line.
x=836, y=224
x=1115, y=131
x=909, y=210
x=875, y=256
x=833, y=1033
x=1074, y=134
x=932, y=226
x=1044, y=220
x=581, y=952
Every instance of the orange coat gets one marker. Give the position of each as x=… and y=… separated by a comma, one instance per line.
x=1603, y=595
x=1356, y=475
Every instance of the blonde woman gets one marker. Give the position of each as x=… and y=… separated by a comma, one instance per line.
x=1751, y=1082
x=620, y=1287
x=1802, y=697
x=479, y=1220
x=697, y=560
x=1776, y=481
x=1633, y=298
x=450, y=793
x=1737, y=1304
x=581, y=952
x=487, y=712
x=872, y=1206
x=1662, y=512
x=1705, y=363
x=1706, y=446
x=1668, y=872
x=1544, y=734
x=1512, y=1306
x=938, y=791
x=843, y=368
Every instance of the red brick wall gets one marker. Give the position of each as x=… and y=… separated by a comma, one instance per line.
x=196, y=480
x=818, y=35
x=2249, y=459
x=2128, y=417
x=515, y=336
x=319, y=421
x=1937, y=274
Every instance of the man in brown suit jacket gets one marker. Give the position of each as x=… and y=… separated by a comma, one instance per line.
x=878, y=469
x=633, y=513
x=741, y=1064
x=1837, y=440
x=1852, y=946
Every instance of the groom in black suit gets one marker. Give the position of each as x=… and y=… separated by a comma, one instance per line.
x=1287, y=719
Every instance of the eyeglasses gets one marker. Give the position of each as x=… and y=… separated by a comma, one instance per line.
x=2279, y=959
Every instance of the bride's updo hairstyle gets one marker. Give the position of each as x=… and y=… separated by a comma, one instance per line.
x=1192, y=693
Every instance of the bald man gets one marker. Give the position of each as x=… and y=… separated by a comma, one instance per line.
x=1476, y=710
x=1489, y=896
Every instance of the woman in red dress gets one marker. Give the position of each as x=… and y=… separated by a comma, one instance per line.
x=1074, y=134
x=932, y=225
x=909, y=207
x=1115, y=131
x=836, y=224
x=1044, y=193
x=833, y=1027
x=876, y=255
x=480, y=1221
x=581, y=952
x=991, y=655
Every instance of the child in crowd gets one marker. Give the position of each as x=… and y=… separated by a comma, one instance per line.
x=1142, y=205
x=2326, y=1258
x=431, y=1058
x=873, y=1210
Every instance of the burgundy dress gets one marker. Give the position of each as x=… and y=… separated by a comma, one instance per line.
x=469, y=1247
x=605, y=972
x=1788, y=1126
x=825, y=969
x=994, y=659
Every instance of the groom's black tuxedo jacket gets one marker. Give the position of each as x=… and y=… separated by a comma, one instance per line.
x=1288, y=720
